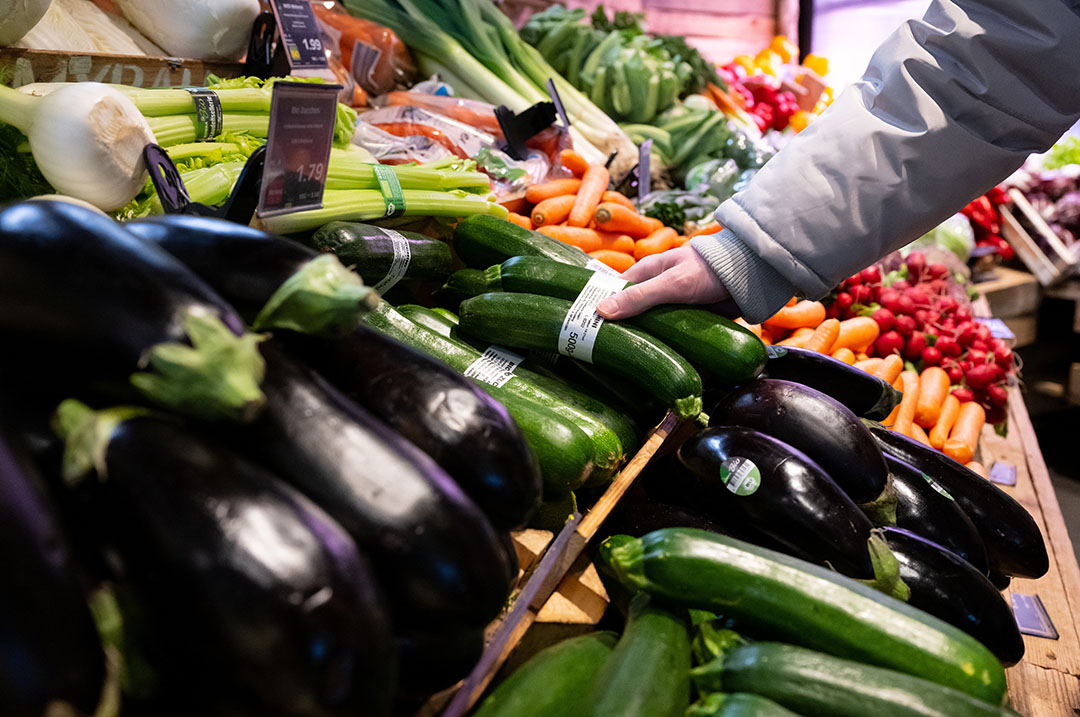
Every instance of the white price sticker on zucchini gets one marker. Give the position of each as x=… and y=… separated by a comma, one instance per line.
x=600, y=267
x=494, y=367
x=740, y=475
x=581, y=325
x=398, y=265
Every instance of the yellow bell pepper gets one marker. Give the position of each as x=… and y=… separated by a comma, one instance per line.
x=817, y=63
x=785, y=48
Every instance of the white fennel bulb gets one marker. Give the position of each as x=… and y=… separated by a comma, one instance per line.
x=198, y=29
x=18, y=17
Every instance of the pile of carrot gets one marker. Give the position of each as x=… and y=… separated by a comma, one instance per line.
x=803, y=324
x=583, y=212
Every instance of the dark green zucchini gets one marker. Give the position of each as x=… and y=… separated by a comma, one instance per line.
x=790, y=599
x=864, y=394
x=483, y=241
x=462, y=284
x=736, y=704
x=813, y=683
x=370, y=252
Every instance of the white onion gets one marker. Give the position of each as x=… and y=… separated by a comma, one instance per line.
x=69, y=200
x=197, y=29
x=18, y=17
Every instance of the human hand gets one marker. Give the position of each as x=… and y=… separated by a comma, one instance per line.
x=676, y=276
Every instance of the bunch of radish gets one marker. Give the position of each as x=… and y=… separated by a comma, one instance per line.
x=924, y=316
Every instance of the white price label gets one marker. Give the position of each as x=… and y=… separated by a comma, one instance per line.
x=494, y=367
x=582, y=323
x=399, y=265
x=600, y=267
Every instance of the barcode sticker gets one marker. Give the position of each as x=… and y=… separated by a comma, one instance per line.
x=582, y=323
x=494, y=367
x=601, y=267
x=398, y=266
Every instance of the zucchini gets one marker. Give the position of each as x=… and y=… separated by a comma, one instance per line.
x=462, y=284
x=483, y=241
x=552, y=683
x=534, y=322
x=736, y=704
x=648, y=672
x=370, y=252
x=563, y=450
x=793, y=600
x=711, y=343
x=813, y=683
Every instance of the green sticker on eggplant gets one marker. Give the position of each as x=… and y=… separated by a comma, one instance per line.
x=740, y=475
x=937, y=486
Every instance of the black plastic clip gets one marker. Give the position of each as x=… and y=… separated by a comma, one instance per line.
x=263, y=61
x=520, y=128
x=174, y=197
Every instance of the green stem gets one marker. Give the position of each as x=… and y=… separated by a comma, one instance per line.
x=323, y=298
x=86, y=434
x=164, y=102
x=17, y=109
x=181, y=129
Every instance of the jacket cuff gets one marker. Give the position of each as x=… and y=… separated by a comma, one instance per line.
x=758, y=289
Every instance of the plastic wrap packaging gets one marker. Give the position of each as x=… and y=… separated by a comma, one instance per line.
x=373, y=54
x=81, y=26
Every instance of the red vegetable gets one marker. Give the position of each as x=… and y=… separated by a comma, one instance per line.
x=884, y=318
x=976, y=356
x=931, y=356
x=948, y=347
x=901, y=285
x=995, y=415
x=860, y=293
x=871, y=274
x=843, y=301
x=853, y=280
x=914, y=347
x=983, y=375
x=963, y=395
x=1003, y=355
x=905, y=325
x=956, y=374
x=889, y=342
x=904, y=305
x=997, y=394
x=937, y=271
x=916, y=264
x=966, y=333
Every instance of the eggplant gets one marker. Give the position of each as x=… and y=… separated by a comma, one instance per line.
x=638, y=519
x=864, y=394
x=249, y=594
x=782, y=493
x=273, y=282
x=434, y=552
x=49, y=649
x=819, y=426
x=433, y=660
x=949, y=588
x=1014, y=544
x=926, y=509
x=1001, y=582
x=80, y=292
x=469, y=434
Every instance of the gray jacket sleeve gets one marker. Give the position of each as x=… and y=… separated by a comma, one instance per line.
x=949, y=106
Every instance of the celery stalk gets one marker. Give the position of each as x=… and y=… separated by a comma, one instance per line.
x=181, y=129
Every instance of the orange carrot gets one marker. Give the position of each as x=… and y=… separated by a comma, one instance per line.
x=573, y=162
x=585, y=239
x=890, y=368
x=803, y=314
x=976, y=467
x=520, y=220
x=617, y=242
x=681, y=240
x=552, y=211
x=791, y=302
x=857, y=334
x=960, y=445
x=861, y=356
x=613, y=217
x=555, y=188
x=919, y=434
x=657, y=242
x=593, y=186
x=753, y=328
x=824, y=337
x=617, y=260
x=711, y=229
x=910, y=382
x=654, y=225
x=845, y=355
x=933, y=388
x=950, y=409
x=799, y=339
x=890, y=420
x=617, y=198
x=869, y=365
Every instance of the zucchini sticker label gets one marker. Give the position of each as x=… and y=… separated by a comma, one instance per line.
x=740, y=475
x=937, y=486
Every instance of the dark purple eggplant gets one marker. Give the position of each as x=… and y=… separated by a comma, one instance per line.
x=819, y=426
x=948, y=587
x=49, y=649
x=434, y=660
x=864, y=394
x=249, y=593
x=638, y=519
x=1001, y=582
x=273, y=282
x=781, y=493
x=444, y=414
x=79, y=290
x=1014, y=545
x=434, y=552
x=926, y=509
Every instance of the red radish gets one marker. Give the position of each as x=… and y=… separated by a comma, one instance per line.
x=962, y=316
x=995, y=415
x=914, y=347
x=1003, y=355
x=884, y=318
x=916, y=264
x=917, y=295
x=889, y=342
x=853, y=280
x=889, y=299
x=949, y=347
x=871, y=274
x=904, y=305
x=947, y=304
x=930, y=330
x=966, y=333
x=963, y=395
x=921, y=316
x=937, y=270
x=860, y=293
x=982, y=331
x=998, y=395
x=965, y=365
x=980, y=345
x=901, y=285
x=956, y=374
x=976, y=357
x=932, y=316
x=980, y=376
x=931, y=356
x=832, y=311
x=904, y=325
x=875, y=292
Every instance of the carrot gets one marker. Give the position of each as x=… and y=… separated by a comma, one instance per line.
x=555, y=188
x=824, y=337
x=681, y=240
x=767, y=337
x=803, y=314
x=861, y=356
x=857, y=334
x=919, y=434
x=890, y=420
x=791, y=302
x=552, y=211
x=617, y=242
x=964, y=436
x=753, y=328
x=613, y=217
x=890, y=368
x=869, y=365
x=799, y=339
x=617, y=198
x=933, y=388
x=592, y=188
x=585, y=239
x=654, y=224
x=910, y=382
x=617, y=260
x=573, y=162
x=950, y=409
x=658, y=241
x=976, y=467
x=711, y=229
x=845, y=355
x=520, y=220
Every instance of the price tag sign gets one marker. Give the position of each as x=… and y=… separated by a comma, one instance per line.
x=302, y=119
x=1031, y=616
x=1003, y=473
x=300, y=35
x=644, y=180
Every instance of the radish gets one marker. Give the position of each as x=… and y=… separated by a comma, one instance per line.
x=998, y=394
x=889, y=342
x=901, y=285
x=889, y=299
x=938, y=287
x=843, y=301
x=980, y=345
x=871, y=274
x=860, y=293
x=948, y=347
x=914, y=347
x=937, y=271
x=956, y=374
x=947, y=305
x=916, y=264
x=966, y=333
x=995, y=415
x=905, y=305
x=1003, y=355
x=963, y=395
x=962, y=316
x=885, y=319
x=982, y=331
x=976, y=357
x=905, y=325
x=931, y=356
x=851, y=281
x=983, y=375
x=965, y=365
x=921, y=316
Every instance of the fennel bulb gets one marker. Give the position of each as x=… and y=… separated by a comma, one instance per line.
x=198, y=29
x=17, y=17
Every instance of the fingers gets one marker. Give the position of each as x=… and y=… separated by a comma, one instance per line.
x=650, y=266
x=639, y=297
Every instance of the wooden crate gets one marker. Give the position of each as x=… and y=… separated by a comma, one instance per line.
x=1042, y=252
x=1011, y=292
x=21, y=67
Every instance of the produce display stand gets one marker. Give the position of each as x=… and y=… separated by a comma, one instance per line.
x=20, y=67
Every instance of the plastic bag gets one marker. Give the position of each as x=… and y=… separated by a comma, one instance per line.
x=375, y=56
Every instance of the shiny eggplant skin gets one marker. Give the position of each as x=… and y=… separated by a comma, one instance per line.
x=1001, y=582
x=933, y=514
x=813, y=423
x=243, y=264
x=863, y=394
x=1014, y=545
x=948, y=587
x=434, y=552
x=49, y=649
x=794, y=503
x=638, y=519
x=250, y=593
x=432, y=660
x=465, y=431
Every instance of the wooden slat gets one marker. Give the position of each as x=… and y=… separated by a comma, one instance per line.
x=718, y=7
x=21, y=67
x=758, y=29
x=1039, y=692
